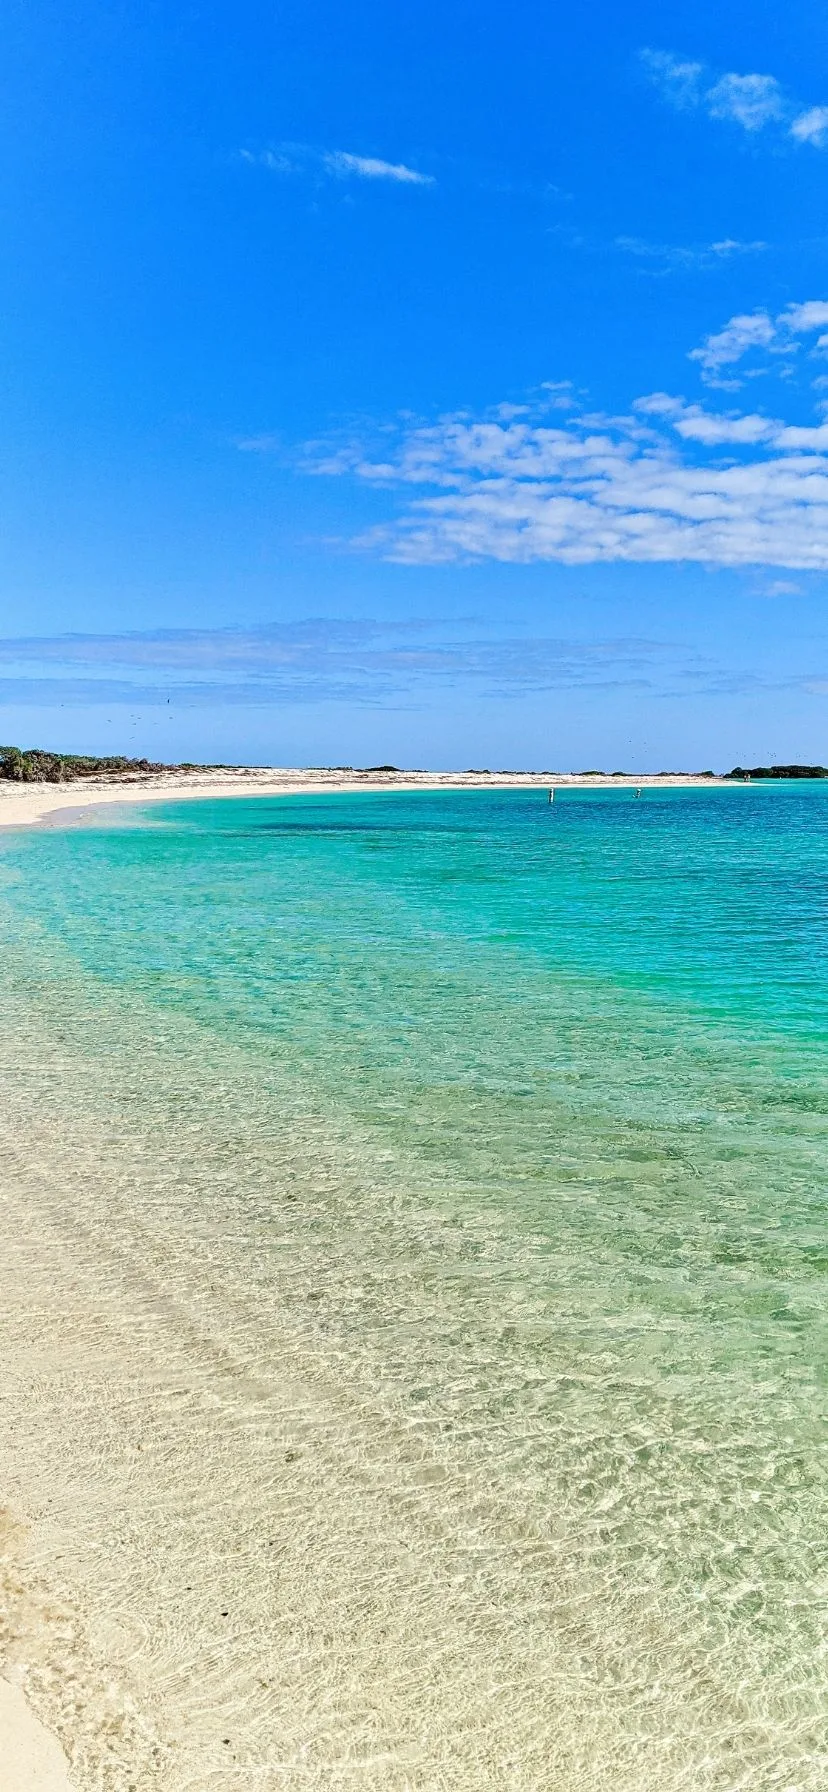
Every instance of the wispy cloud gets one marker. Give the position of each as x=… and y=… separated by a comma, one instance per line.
x=322, y=661
x=723, y=348
x=651, y=486
x=372, y=168
x=781, y=588
x=336, y=164
x=753, y=101
x=668, y=257
x=749, y=100
x=748, y=331
x=679, y=81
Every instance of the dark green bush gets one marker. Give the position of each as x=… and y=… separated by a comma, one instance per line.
x=33, y=765
x=778, y=771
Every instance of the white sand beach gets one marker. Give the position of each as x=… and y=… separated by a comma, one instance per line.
x=23, y=805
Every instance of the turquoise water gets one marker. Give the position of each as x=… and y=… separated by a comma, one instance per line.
x=507, y=1122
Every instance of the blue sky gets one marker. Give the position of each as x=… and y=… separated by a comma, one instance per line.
x=436, y=385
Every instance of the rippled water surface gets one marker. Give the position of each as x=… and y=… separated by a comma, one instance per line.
x=414, y=1224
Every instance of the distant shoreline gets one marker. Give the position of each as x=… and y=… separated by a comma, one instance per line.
x=33, y=804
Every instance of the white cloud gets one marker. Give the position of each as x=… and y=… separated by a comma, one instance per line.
x=817, y=438
x=782, y=588
x=731, y=246
x=811, y=126
x=666, y=257
x=604, y=489
x=753, y=101
x=695, y=425
x=302, y=158
x=718, y=430
x=722, y=349
x=758, y=330
x=559, y=394
x=812, y=315
x=679, y=81
x=371, y=168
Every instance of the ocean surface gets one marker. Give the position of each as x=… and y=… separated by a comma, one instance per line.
x=415, y=1263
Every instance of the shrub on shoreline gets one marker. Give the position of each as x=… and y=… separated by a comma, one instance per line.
x=35, y=766
x=778, y=771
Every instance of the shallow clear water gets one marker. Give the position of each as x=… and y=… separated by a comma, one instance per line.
x=417, y=1205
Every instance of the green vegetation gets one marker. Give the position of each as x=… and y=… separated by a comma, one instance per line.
x=33, y=765
x=778, y=771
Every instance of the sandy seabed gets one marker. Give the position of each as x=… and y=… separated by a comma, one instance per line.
x=54, y=1322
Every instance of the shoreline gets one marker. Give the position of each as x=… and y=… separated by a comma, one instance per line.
x=31, y=805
